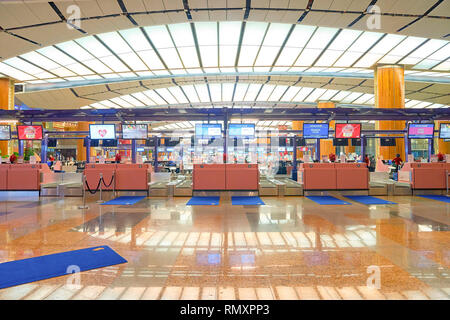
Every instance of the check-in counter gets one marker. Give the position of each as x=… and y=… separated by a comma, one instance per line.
x=352, y=176
x=131, y=177
x=318, y=176
x=209, y=177
x=24, y=177
x=92, y=172
x=428, y=175
x=4, y=169
x=241, y=176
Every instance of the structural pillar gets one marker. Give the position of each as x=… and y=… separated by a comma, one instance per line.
x=389, y=87
x=133, y=151
x=81, y=150
x=326, y=146
x=298, y=125
x=442, y=146
x=6, y=103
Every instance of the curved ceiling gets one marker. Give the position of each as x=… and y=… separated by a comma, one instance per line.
x=212, y=47
x=28, y=24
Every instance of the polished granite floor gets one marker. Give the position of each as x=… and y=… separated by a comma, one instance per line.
x=290, y=248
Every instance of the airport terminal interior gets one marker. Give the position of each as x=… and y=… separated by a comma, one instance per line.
x=225, y=149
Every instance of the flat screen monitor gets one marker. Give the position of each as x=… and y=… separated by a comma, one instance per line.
x=315, y=130
x=95, y=143
x=5, y=132
x=52, y=143
x=387, y=142
x=203, y=130
x=356, y=142
x=109, y=143
x=444, y=131
x=347, y=130
x=102, y=131
x=151, y=142
x=421, y=130
x=446, y=140
x=134, y=131
x=339, y=142
x=241, y=130
x=300, y=142
x=29, y=132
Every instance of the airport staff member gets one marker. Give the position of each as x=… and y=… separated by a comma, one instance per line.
x=397, y=161
x=118, y=158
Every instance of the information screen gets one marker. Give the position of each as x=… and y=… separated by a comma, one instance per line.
x=5, y=132
x=102, y=131
x=134, y=131
x=421, y=130
x=315, y=130
x=444, y=131
x=348, y=130
x=29, y=132
x=208, y=130
x=241, y=130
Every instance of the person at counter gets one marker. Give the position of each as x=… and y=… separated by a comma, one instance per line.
x=440, y=157
x=367, y=160
x=13, y=158
x=397, y=161
x=332, y=157
x=118, y=158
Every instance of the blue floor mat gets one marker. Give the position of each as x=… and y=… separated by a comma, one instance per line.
x=437, y=197
x=203, y=201
x=124, y=200
x=327, y=200
x=18, y=272
x=369, y=200
x=246, y=201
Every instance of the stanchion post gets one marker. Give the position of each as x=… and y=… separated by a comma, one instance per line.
x=101, y=188
x=84, y=206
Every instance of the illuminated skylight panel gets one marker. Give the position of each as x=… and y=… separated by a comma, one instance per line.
x=300, y=36
x=115, y=42
x=290, y=93
x=266, y=56
x=151, y=59
x=288, y=56
x=427, y=49
x=170, y=57
x=227, y=91
x=159, y=36
x=210, y=56
x=435, y=106
x=155, y=97
x=308, y=57
x=248, y=55
x=340, y=96
x=227, y=55
x=411, y=103
x=97, y=66
x=229, y=33
x=444, y=66
x=403, y=48
x=302, y=94
x=24, y=66
x=121, y=102
x=277, y=93
x=191, y=93
x=328, y=58
x=441, y=54
x=143, y=98
x=321, y=38
x=254, y=33
x=110, y=104
x=328, y=94
x=189, y=57
x=252, y=92
x=182, y=34
x=344, y=40
x=132, y=100
x=63, y=72
x=241, y=89
x=166, y=95
x=202, y=91
x=15, y=73
x=368, y=60
x=207, y=33
x=56, y=55
x=178, y=94
x=115, y=64
x=73, y=49
x=386, y=44
x=40, y=60
x=79, y=69
x=348, y=59
x=94, y=46
x=136, y=39
x=98, y=105
x=351, y=97
x=422, y=104
x=315, y=95
x=215, y=89
x=365, y=41
x=276, y=34
x=133, y=61
x=363, y=99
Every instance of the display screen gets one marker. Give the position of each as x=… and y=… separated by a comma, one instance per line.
x=241, y=130
x=5, y=132
x=387, y=142
x=339, y=142
x=348, y=130
x=315, y=130
x=134, y=131
x=421, y=130
x=29, y=132
x=102, y=131
x=109, y=143
x=444, y=131
x=208, y=130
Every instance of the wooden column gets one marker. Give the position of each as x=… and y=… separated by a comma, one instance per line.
x=389, y=85
x=298, y=125
x=81, y=151
x=326, y=146
x=442, y=146
x=6, y=103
